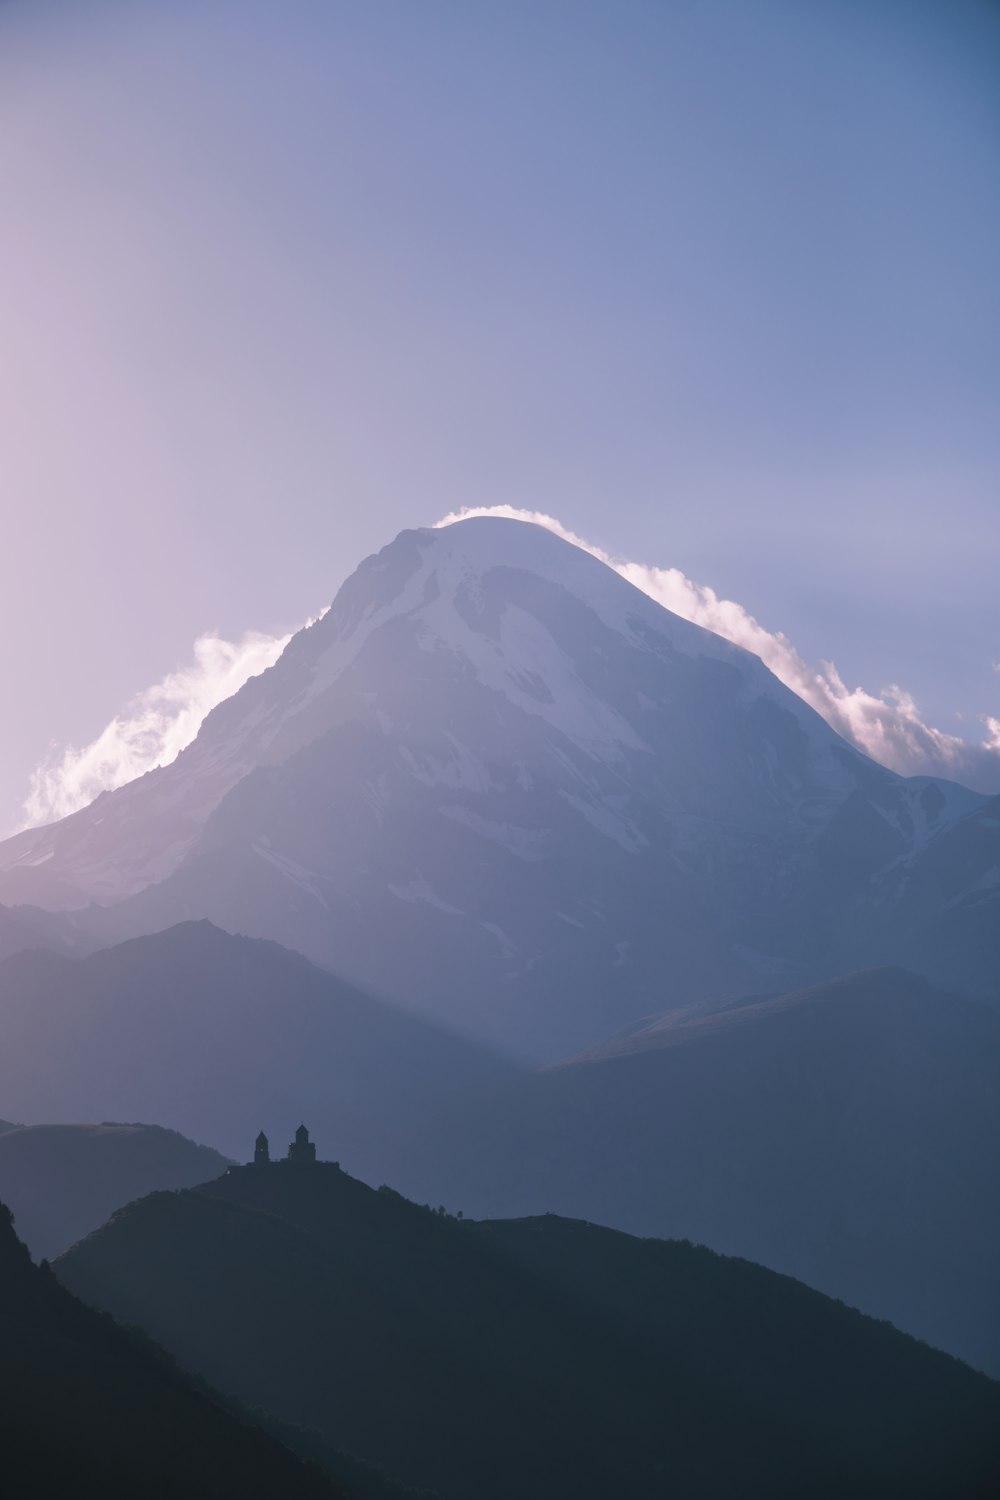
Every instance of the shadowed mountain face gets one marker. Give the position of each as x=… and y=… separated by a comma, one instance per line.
x=846, y=1135
x=539, y=1357
x=26, y=927
x=87, y=1408
x=220, y=1036
x=498, y=782
x=62, y=1181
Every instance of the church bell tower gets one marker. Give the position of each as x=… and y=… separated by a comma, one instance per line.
x=302, y=1148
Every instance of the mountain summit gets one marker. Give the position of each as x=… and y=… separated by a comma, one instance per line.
x=498, y=781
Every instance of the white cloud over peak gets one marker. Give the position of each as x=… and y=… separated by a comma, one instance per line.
x=153, y=729
x=886, y=725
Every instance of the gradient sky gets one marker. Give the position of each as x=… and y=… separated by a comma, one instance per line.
x=713, y=281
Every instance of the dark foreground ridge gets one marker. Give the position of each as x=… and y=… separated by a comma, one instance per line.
x=540, y=1357
x=91, y=1409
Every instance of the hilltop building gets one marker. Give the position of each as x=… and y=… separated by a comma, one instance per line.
x=302, y=1148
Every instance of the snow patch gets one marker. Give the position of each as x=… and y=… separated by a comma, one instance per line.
x=525, y=843
x=608, y=821
x=293, y=871
x=418, y=890
x=459, y=769
x=376, y=795
x=508, y=948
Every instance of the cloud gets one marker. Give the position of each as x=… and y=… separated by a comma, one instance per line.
x=155, y=727
x=885, y=725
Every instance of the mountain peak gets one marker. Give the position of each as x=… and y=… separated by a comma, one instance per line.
x=498, y=780
x=451, y=562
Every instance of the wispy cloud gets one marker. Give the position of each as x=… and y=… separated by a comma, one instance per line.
x=886, y=725
x=153, y=729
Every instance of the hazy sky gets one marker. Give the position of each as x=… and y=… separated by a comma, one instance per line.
x=712, y=281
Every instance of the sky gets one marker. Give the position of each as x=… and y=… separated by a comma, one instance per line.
x=712, y=282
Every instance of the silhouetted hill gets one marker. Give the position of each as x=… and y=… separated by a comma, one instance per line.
x=62, y=1181
x=91, y=1409
x=540, y=1358
x=846, y=1135
x=216, y=1035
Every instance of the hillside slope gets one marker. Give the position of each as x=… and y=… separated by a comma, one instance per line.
x=541, y=1358
x=88, y=1408
x=62, y=1181
x=846, y=1135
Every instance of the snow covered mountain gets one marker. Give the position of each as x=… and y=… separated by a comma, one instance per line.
x=497, y=781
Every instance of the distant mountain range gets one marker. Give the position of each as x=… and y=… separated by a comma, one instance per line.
x=848, y=1135
x=219, y=1035
x=537, y=1358
x=845, y=1135
x=62, y=1181
x=498, y=784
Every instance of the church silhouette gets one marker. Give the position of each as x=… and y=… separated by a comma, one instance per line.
x=301, y=1150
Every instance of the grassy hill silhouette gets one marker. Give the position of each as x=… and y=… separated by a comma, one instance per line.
x=542, y=1357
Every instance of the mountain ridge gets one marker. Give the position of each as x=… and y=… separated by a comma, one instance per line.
x=675, y=1028
x=210, y=1033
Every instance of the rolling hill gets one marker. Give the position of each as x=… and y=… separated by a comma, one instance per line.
x=542, y=1357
